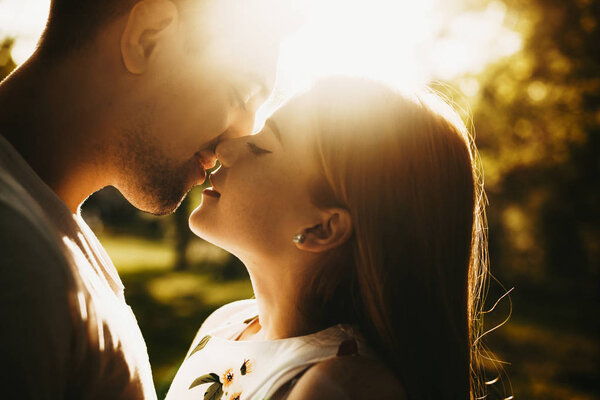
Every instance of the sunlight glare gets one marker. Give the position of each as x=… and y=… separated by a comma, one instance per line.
x=378, y=39
x=406, y=45
x=472, y=40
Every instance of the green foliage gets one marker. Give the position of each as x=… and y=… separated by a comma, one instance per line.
x=537, y=120
x=537, y=125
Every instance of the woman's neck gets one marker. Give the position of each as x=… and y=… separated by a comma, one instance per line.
x=279, y=300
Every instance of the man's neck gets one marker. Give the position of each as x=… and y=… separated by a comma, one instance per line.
x=45, y=114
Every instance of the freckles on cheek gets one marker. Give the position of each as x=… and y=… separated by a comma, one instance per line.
x=250, y=223
x=259, y=205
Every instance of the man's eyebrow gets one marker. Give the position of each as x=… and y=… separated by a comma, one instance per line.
x=275, y=129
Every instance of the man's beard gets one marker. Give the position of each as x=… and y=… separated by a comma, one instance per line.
x=150, y=180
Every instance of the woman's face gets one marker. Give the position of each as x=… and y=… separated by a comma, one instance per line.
x=260, y=195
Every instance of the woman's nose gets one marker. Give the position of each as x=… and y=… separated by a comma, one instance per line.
x=227, y=152
x=243, y=122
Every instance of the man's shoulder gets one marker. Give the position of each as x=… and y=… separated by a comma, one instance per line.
x=18, y=205
x=35, y=303
x=36, y=271
x=29, y=249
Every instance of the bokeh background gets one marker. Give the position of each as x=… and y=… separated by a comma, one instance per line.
x=526, y=77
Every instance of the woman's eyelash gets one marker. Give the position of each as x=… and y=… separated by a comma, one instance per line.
x=257, y=150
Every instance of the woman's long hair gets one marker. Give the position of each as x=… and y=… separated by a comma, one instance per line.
x=412, y=274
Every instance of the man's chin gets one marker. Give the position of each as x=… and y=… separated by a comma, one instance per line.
x=162, y=212
x=166, y=207
x=155, y=204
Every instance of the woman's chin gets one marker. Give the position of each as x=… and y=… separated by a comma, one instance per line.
x=199, y=220
x=203, y=223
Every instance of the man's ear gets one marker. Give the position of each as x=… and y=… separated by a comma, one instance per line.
x=334, y=230
x=148, y=23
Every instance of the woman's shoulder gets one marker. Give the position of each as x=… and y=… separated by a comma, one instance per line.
x=348, y=378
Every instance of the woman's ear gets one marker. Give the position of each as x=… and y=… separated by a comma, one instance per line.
x=334, y=230
x=148, y=23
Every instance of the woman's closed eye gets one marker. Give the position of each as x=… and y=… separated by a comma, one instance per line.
x=257, y=150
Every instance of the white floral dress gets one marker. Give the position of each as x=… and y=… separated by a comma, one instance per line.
x=217, y=367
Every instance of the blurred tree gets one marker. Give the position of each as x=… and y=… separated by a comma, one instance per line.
x=183, y=234
x=537, y=118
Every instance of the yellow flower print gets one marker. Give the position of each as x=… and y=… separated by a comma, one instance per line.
x=227, y=377
x=247, y=367
x=236, y=396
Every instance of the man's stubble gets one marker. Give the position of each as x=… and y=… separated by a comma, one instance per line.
x=149, y=178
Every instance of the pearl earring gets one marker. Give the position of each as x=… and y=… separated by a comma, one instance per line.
x=299, y=238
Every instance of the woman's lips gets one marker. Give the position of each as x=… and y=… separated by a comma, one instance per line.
x=211, y=193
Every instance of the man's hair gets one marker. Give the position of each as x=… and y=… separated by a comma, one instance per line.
x=73, y=24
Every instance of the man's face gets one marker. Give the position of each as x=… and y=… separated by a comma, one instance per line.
x=189, y=99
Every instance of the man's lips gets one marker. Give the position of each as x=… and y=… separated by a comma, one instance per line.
x=202, y=175
x=206, y=160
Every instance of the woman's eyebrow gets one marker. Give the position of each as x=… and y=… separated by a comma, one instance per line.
x=275, y=129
